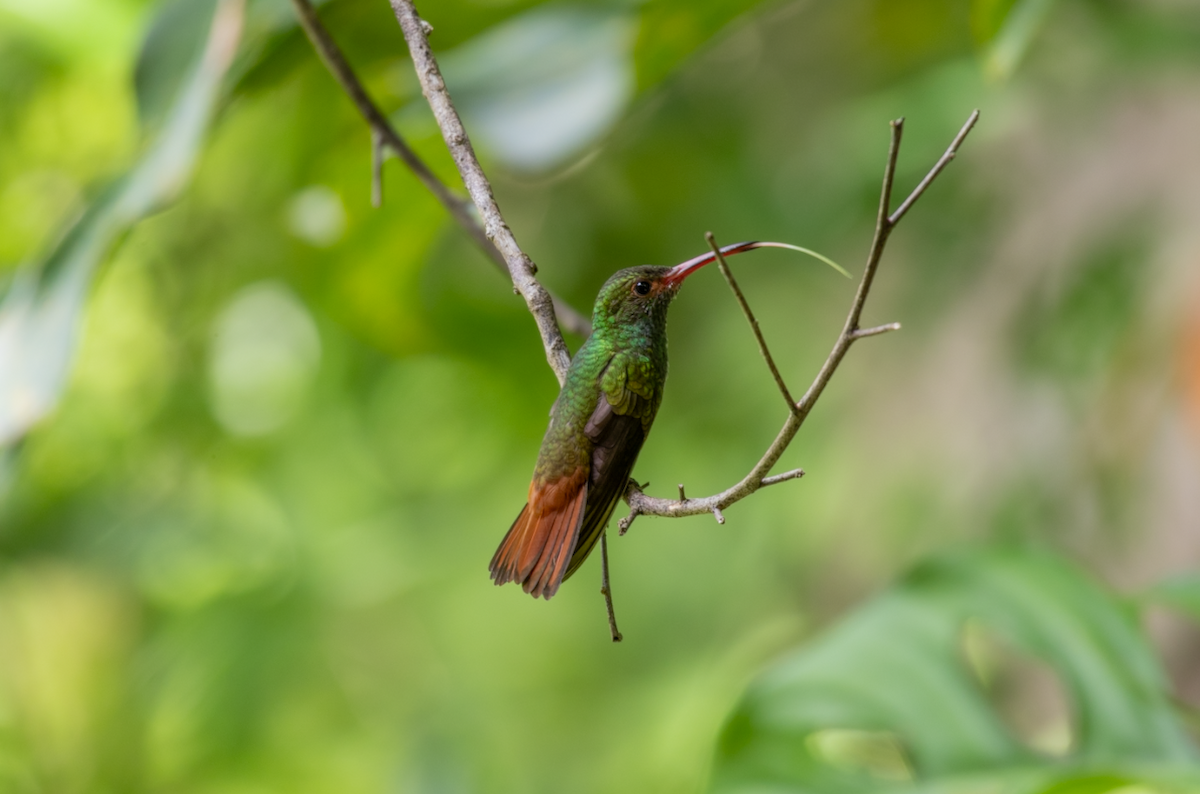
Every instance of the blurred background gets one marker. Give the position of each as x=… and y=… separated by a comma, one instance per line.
x=260, y=439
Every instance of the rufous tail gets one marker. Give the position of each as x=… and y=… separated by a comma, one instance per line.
x=538, y=546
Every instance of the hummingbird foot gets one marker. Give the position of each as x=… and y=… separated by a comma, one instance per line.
x=632, y=489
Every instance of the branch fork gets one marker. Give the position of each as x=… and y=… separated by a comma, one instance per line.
x=759, y=476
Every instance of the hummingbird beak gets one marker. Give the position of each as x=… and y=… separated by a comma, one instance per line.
x=677, y=274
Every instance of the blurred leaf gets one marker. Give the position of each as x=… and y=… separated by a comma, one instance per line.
x=68, y=636
x=40, y=315
x=671, y=30
x=1181, y=592
x=537, y=85
x=366, y=32
x=540, y=87
x=173, y=44
x=896, y=669
x=1078, y=333
x=1003, y=29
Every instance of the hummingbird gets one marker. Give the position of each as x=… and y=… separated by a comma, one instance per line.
x=597, y=426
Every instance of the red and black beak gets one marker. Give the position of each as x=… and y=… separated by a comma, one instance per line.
x=677, y=274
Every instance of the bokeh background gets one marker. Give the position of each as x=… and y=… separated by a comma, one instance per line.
x=274, y=434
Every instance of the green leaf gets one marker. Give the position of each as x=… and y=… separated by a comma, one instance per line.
x=1180, y=592
x=172, y=46
x=41, y=313
x=896, y=669
x=671, y=30
x=1003, y=29
x=540, y=87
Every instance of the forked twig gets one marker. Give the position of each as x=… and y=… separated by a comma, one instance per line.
x=641, y=504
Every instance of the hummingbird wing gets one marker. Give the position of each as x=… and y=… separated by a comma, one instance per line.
x=617, y=429
x=567, y=512
x=538, y=545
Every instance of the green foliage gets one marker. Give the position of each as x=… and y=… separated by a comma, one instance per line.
x=1078, y=331
x=1004, y=29
x=1179, y=592
x=40, y=315
x=170, y=52
x=671, y=30
x=901, y=667
x=247, y=550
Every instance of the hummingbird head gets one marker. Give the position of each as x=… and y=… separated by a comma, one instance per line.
x=637, y=295
x=634, y=296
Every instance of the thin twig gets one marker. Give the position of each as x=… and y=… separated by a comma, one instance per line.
x=775, y=479
x=762, y=343
x=640, y=504
x=520, y=266
x=862, y=333
x=944, y=161
x=606, y=588
x=388, y=138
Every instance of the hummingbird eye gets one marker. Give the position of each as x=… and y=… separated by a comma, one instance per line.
x=642, y=288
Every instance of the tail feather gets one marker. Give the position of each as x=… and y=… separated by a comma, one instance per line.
x=538, y=546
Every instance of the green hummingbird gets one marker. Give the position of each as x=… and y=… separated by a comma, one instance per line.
x=597, y=426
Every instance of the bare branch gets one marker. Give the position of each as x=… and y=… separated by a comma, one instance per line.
x=937, y=169
x=385, y=136
x=640, y=504
x=775, y=479
x=606, y=588
x=762, y=343
x=520, y=266
x=862, y=333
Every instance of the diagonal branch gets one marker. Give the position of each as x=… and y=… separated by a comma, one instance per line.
x=640, y=504
x=384, y=135
x=762, y=343
x=520, y=267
